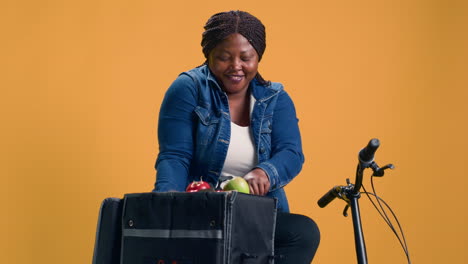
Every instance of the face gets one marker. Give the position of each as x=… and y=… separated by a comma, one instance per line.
x=234, y=62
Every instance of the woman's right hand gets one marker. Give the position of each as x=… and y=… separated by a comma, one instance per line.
x=258, y=181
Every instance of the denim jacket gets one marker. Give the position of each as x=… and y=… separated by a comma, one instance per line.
x=194, y=133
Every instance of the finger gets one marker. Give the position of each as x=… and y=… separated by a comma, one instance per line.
x=255, y=188
x=251, y=186
x=251, y=189
x=267, y=187
x=261, y=189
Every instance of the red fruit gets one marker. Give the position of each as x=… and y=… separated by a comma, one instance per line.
x=196, y=186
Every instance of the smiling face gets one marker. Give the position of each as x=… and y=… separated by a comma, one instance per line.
x=234, y=62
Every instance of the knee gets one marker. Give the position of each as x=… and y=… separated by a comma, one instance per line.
x=298, y=230
x=310, y=233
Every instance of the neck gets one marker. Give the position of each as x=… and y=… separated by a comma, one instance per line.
x=239, y=108
x=240, y=96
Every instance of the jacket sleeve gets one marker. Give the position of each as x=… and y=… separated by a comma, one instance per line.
x=175, y=135
x=286, y=157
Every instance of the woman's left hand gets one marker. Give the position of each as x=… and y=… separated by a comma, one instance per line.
x=258, y=182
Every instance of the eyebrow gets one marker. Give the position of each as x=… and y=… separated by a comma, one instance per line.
x=242, y=52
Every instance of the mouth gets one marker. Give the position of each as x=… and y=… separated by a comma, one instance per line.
x=235, y=78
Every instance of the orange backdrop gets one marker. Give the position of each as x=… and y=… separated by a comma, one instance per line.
x=82, y=82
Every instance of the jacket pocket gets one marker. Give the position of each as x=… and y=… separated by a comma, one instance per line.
x=207, y=124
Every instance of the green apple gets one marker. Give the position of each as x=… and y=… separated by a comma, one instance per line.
x=237, y=184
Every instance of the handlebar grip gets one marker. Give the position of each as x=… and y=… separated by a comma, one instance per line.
x=329, y=196
x=366, y=155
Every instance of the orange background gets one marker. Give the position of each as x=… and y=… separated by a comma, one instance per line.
x=81, y=84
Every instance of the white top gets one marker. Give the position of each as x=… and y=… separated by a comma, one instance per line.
x=241, y=156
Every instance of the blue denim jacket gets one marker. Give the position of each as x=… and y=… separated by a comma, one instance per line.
x=194, y=133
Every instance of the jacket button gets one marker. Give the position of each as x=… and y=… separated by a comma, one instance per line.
x=262, y=150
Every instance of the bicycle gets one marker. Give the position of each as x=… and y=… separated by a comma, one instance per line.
x=351, y=193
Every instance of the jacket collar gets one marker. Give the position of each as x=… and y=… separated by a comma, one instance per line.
x=263, y=93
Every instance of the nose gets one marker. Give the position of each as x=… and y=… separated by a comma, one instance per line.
x=236, y=64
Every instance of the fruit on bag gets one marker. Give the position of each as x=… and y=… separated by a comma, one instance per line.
x=237, y=184
x=197, y=186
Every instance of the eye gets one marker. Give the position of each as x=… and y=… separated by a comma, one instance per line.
x=247, y=57
x=223, y=58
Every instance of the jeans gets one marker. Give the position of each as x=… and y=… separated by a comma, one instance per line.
x=297, y=238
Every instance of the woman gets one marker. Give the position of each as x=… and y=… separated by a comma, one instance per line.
x=223, y=118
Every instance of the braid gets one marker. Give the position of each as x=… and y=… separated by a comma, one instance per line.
x=223, y=24
x=261, y=80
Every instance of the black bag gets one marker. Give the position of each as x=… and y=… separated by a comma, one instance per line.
x=193, y=228
x=108, y=232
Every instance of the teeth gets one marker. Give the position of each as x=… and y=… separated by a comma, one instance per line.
x=236, y=77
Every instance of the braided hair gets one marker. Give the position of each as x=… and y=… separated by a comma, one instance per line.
x=223, y=24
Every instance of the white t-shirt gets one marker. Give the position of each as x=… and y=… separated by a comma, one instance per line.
x=241, y=156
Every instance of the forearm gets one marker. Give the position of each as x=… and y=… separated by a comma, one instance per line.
x=172, y=175
x=282, y=168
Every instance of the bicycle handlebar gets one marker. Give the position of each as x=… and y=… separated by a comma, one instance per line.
x=329, y=196
x=366, y=158
x=366, y=155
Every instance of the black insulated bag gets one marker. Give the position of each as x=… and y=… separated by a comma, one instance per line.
x=197, y=228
